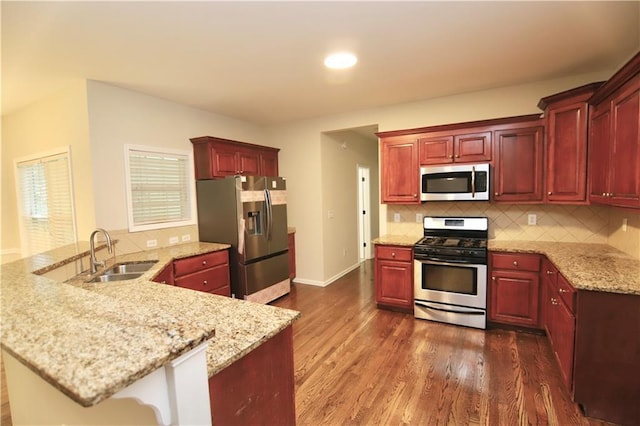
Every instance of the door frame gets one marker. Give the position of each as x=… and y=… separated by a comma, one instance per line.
x=364, y=213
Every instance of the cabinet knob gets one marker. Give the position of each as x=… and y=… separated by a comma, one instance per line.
x=515, y=263
x=204, y=282
x=204, y=262
x=393, y=254
x=549, y=272
x=415, y=195
x=562, y=290
x=549, y=193
x=493, y=278
x=604, y=194
x=451, y=156
x=457, y=155
x=496, y=194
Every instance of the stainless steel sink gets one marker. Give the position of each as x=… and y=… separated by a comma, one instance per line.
x=131, y=267
x=104, y=278
x=123, y=271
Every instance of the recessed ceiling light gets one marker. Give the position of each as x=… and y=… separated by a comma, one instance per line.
x=340, y=60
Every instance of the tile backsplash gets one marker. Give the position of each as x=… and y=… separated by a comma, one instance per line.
x=562, y=223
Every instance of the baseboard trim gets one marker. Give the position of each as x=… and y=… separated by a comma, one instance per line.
x=330, y=280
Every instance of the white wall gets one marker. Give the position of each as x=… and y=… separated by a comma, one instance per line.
x=301, y=141
x=56, y=121
x=118, y=117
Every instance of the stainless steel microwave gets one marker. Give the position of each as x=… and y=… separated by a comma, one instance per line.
x=464, y=182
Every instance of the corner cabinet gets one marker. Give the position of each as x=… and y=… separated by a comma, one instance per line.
x=614, y=160
x=566, y=119
x=400, y=170
x=514, y=289
x=394, y=277
x=217, y=158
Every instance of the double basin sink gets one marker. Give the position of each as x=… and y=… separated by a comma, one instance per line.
x=123, y=271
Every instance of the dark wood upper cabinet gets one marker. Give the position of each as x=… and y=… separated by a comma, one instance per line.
x=614, y=161
x=456, y=148
x=518, y=176
x=217, y=158
x=566, y=119
x=400, y=170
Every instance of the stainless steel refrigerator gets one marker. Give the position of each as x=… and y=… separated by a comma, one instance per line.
x=250, y=214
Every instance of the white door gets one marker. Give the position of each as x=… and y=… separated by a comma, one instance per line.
x=364, y=216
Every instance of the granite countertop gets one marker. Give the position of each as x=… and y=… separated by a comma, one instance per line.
x=597, y=267
x=92, y=340
x=396, y=240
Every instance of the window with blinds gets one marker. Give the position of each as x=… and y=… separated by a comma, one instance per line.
x=45, y=201
x=160, y=188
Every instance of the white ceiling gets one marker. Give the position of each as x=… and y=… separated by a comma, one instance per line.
x=262, y=61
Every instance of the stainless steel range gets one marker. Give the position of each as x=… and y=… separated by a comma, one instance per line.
x=450, y=271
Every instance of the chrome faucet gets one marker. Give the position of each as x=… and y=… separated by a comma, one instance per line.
x=95, y=263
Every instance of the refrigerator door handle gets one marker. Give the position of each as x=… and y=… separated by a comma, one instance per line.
x=269, y=212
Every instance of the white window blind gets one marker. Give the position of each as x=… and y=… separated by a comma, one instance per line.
x=45, y=202
x=159, y=188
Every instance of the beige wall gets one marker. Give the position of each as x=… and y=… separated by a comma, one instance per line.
x=301, y=142
x=56, y=121
x=628, y=241
x=341, y=153
x=118, y=117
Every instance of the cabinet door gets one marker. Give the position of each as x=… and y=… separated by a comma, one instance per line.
x=249, y=162
x=549, y=286
x=269, y=163
x=437, y=150
x=472, y=148
x=599, y=154
x=519, y=161
x=625, y=168
x=514, y=297
x=394, y=283
x=564, y=327
x=224, y=160
x=400, y=171
x=567, y=153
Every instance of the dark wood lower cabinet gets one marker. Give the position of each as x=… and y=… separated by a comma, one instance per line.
x=258, y=389
x=607, y=356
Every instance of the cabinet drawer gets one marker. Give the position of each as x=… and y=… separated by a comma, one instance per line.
x=403, y=254
x=198, y=263
x=517, y=262
x=567, y=293
x=208, y=280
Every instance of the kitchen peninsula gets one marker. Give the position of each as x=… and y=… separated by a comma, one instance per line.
x=97, y=342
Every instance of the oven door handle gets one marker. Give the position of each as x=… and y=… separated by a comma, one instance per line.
x=474, y=312
x=447, y=262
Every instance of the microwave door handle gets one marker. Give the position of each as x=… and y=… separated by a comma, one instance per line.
x=473, y=181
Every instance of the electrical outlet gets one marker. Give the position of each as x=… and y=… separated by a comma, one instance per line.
x=152, y=243
x=173, y=240
x=624, y=225
x=532, y=219
x=396, y=217
x=419, y=217
x=186, y=237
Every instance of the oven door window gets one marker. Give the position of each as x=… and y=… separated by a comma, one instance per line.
x=452, y=279
x=446, y=183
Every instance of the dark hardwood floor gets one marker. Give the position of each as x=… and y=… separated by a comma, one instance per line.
x=355, y=364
